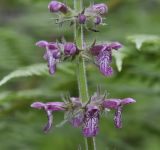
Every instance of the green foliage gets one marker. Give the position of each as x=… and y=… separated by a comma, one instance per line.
x=37, y=69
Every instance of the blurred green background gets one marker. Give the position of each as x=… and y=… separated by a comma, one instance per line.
x=23, y=22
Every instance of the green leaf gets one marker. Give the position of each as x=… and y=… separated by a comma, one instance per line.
x=119, y=56
x=37, y=69
x=139, y=40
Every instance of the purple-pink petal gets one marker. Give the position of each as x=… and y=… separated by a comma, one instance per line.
x=42, y=44
x=38, y=105
x=52, y=55
x=106, y=70
x=118, y=117
x=91, y=121
x=52, y=65
x=116, y=45
x=54, y=106
x=100, y=8
x=91, y=129
x=52, y=46
x=96, y=49
x=111, y=103
x=50, y=121
x=127, y=101
x=103, y=61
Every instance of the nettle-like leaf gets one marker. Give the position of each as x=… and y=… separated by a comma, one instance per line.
x=119, y=57
x=139, y=40
x=37, y=69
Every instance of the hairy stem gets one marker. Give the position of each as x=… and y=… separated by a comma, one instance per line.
x=81, y=73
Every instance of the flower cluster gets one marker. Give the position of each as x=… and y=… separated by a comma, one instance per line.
x=85, y=115
x=93, y=12
x=96, y=12
x=55, y=51
x=102, y=53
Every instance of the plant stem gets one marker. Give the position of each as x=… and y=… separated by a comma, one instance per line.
x=81, y=73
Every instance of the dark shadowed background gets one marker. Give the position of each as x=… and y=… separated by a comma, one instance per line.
x=135, y=23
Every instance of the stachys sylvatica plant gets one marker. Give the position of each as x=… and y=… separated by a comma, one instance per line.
x=83, y=111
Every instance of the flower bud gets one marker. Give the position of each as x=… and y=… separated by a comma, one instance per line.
x=100, y=8
x=55, y=6
x=70, y=48
x=82, y=18
x=98, y=20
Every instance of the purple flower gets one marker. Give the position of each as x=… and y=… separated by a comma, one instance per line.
x=55, y=6
x=82, y=18
x=103, y=55
x=52, y=54
x=100, y=8
x=49, y=108
x=117, y=104
x=70, y=48
x=98, y=20
x=91, y=121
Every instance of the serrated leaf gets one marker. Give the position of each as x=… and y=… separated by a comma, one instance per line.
x=119, y=56
x=139, y=40
x=37, y=69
